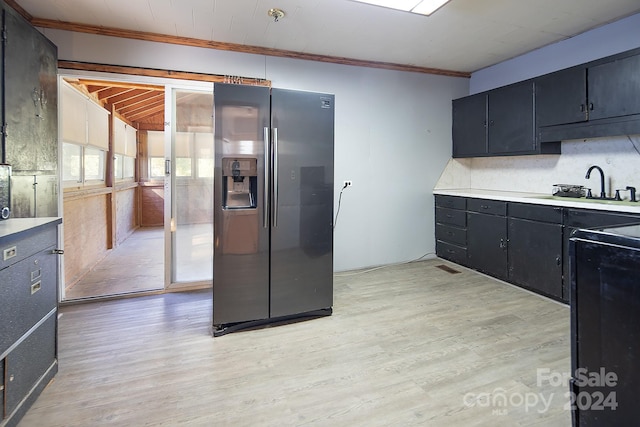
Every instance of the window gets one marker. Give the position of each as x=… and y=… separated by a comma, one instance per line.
x=93, y=164
x=183, y=166
x=125, y=149
x=155, y=150
x=156, y=167
x=85, y=138
x=71, y=163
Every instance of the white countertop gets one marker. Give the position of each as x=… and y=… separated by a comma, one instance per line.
x=15, y=226
x=542, y=199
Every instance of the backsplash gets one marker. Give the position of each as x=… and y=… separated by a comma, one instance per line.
x=619, y=158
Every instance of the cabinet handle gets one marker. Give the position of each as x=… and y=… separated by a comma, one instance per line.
x=491, y=122
x=582, y=108
x=558, y=261
x=503, y=243
x=449, y=216
x=451, y=251
x=449, y=233
x=57, y=251
x=36, y=287
x=485, y=207
x=9, y=253
x=591, y=106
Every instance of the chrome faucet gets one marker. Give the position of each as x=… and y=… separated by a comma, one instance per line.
x=603, y=195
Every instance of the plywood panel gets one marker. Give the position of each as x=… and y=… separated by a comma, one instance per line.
x=85, y=234
x=126, y=217
x=151, y=205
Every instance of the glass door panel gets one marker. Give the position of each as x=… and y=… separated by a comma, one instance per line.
x=192, y=186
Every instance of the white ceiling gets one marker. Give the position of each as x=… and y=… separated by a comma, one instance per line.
x=464, y=35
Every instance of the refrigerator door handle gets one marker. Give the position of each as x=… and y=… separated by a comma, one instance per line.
x=267, y=184
x=275, y=177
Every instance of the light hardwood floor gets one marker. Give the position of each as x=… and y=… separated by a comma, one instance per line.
x=409, y=345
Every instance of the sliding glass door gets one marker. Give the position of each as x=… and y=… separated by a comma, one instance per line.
x=189, y=187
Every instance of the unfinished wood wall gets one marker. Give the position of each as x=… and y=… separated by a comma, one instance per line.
x=151, y=205
x=126, y=217
x=86, y=234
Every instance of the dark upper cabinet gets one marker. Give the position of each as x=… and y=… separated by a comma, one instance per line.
x=510, y=112
x=469, y=126
x=614, y=88
x=29, y=102
x=562, y=97
x=497, y=123
x=597, y=99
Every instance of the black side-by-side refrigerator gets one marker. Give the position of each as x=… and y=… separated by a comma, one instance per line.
x=273, y=213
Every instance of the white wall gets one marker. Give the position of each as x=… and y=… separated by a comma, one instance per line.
x=392, y=135
x=607, y=40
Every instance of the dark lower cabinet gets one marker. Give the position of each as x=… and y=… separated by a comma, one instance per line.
x=524, y=244
x=535, y=248
x=451, y=228
x=535, y=256
x=28, y=312
x=487, y=243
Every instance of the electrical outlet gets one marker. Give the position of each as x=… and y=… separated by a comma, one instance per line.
x=347, y=184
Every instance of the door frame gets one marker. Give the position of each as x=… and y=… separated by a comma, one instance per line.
x=170, y=84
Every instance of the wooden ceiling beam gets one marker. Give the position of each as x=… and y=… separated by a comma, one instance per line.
x=125, y=96
x=147, y=111
x=138, y=99
x=108, y=92
x=143, y=103
x=127, y=85
x=234, y=47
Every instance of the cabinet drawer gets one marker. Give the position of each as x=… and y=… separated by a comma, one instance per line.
x=451, y=217
x=27, y=293
x=450, y=234
x=451, y=202
x=552, y=214
x=29, y=361
x=451, y=252
x=492, y=207
x=12, y=251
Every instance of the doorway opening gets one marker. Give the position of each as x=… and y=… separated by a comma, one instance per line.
x=137, y=173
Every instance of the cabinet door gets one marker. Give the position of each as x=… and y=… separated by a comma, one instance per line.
x=510, y=112
x=614, y=88
x=469, y=126
x=31, y=98
x=561, y=97
x=535, y=255
x=487, y=243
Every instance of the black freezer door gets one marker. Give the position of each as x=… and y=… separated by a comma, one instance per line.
x=241, y=236
x=302, y=202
